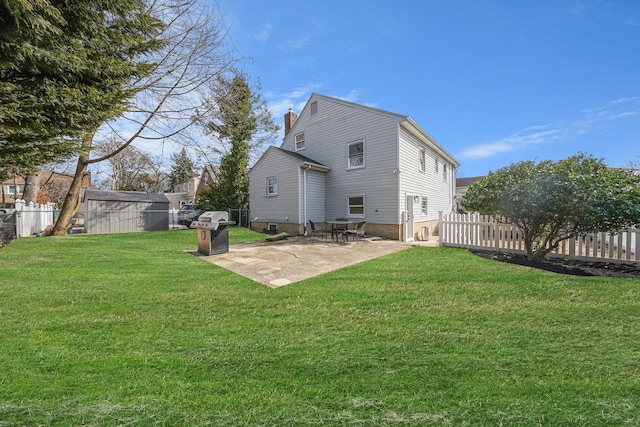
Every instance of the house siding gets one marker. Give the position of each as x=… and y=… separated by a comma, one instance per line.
x=315, y=195
x=275, y=209
x=428, y=183
x=327, y=134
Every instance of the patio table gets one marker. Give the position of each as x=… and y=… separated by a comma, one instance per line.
x=335, y=227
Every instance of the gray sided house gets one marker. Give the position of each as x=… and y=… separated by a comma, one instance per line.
x=339, y=159
x=124, y=212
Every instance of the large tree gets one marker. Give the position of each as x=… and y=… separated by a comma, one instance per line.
x=172, y=96
x=131, y=169
x=241, y=123
x=554, y=201
x=65, y=68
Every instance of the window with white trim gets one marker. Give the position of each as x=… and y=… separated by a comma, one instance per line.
x=355, y=152
x=423, y=205
x=272, y=186
x=355, y=206
x=11, y=190
x=444, y=171
x=300, y=141
x=436, y=164
x=422, y=159
x=314, y=107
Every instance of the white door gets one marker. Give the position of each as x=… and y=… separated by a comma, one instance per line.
x=408, y=220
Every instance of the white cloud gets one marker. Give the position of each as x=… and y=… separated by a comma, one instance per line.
x=589, y=121
x=279, y=104
x=263, y=33
x=297, y=43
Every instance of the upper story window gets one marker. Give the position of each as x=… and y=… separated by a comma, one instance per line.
x=314, y=107
x=272, y=186
x=436, y=164
x=444, y=171
x=300, y=141
x=356, y=154
x=422, y=159
x=355, y=206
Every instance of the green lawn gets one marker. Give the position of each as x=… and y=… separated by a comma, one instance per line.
x=130, y=329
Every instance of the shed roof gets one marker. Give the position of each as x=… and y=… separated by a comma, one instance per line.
x=125, y=196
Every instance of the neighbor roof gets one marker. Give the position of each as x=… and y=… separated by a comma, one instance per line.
x=465, y=182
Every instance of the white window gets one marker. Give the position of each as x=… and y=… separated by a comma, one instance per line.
x=12, y=189
x=422, y=159
x=355, y=206
x=423, y=206
x=272, y=185
x=356, y=154
x=300, y=141
x=444, y=171
x=436, y=164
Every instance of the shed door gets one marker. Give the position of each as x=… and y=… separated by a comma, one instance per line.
x=408, y=220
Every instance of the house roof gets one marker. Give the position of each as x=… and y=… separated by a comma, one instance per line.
x=125, y=196
x=467, y=181
x=406, y=121
x=305, y=161
x=299, y=156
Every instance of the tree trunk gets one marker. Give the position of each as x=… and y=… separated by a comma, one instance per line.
x=31, y=187
x=72, y=200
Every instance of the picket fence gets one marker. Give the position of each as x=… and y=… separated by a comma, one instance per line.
x=484, y=232
x=33, y=218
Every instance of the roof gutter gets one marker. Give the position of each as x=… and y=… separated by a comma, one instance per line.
x=315, y=166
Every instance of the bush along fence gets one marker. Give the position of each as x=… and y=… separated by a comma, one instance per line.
x=483, y=232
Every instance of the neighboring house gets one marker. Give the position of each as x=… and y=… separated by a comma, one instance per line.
x=341, y=159
x=186, y=193
x=124, y=212
x=53, y=187
x=462, y=185
x=208, y=177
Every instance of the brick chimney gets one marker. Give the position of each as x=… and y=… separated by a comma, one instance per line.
x=289, y=120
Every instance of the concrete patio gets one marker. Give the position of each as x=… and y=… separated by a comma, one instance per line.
x=280, y=263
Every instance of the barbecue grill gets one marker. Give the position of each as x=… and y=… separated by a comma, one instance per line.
x=213, y=233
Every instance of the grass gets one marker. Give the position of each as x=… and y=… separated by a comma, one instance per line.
x=130, y=329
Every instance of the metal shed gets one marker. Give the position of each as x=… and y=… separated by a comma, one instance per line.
x=124, y=212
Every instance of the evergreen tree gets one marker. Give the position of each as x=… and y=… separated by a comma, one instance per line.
x=65, y=69
x=182, y=168
x=241, y=115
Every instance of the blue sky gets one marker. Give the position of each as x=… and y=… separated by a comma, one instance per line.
x=494, y=82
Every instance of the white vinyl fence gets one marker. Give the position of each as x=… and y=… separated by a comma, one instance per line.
x=484, y=232
x=33, y=218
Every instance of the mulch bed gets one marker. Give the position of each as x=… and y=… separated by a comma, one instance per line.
x=573, y=267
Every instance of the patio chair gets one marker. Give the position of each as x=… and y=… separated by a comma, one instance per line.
x=315, y=231
x=357, y=233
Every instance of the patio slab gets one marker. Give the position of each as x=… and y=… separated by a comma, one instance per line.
x=281, y=263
